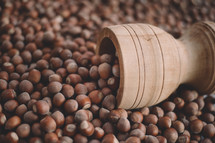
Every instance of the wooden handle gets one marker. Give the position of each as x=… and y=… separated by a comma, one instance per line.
x=153, y=64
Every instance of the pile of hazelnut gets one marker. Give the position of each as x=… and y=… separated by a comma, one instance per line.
x=54, y=89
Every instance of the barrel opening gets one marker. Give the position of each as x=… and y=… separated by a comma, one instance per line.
x=107, y=47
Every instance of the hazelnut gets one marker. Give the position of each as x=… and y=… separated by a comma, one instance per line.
x=12, y=123
x=114, y=115
x=108, y=128
x=58, y=99
x=24, y=97
x=86, y=128
x=152, y=130
x=36, y=129
x=82, y=115
x=48, y=124
x=161, y=139
x=51, y=138
x=80, y=138
x=98, y=133
x=23, y=130
x=26, y=86
x=69, y=130
x=10, y=105
x=83, y=72
x=3, y=84
x=41, y=107
x=191, y=108
x=150, y=119
x=168, y=106
x=106, y=58
x=30, y=117
x=209, y=130
x=179, y=102
x=151, y=139
x=73, y=79
x=12, y=137
x=110, y=138
x=83, y=101
x=164, y=122
x=34, y=76
x=80, y=89
x=171, y=135
x=115, y=70
x=138, y=133
x=96, y=96
x=67, y=90
x=136, y=117
x=94, y=73
x=70, y=106
x=179, y=126
x=59, y=118
x=109, y=102
x=123, y=125
x=54, y=87
x=3, y=119
x=96, y=122
x=171, y=115
x=104, y=70
x=133, y=139
x=157, y=111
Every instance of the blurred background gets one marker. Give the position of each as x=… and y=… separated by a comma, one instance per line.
x=74, y=18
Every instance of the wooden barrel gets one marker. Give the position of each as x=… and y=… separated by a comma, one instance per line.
x=153, y=63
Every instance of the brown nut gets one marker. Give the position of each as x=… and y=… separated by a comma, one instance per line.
x=151, y=139
x=80, y=138
x=41, y=107
x=51, y=138
x=58, y=99
x=80, y=89
x=82, y=115
x=96, y=122
x=179, y=126
x=3, y=119
x=171, y=135
x=54, y=87
x=108, y=128
x=83, y=101
x=179, y=102
x=150, y=119
x=86, y=128
x=96, y=96
x=191, y=108
x=48, y=124
x=23, y=130
x=109, y=102
x=69, y=130
x=161, y=139
x=73, y=79
x=171, y=115
x=104, y=70
x=70, y=106
x=109, y=138
x=152, y=130
x=36, y=129
x=133, y=139
x=3, y=84
x=168, y=106
x=114, y=115
x=24, y=97
x=138, y=133
x=34, y=76
x=59, y=118
x=26, y=86
x=11, y=105
x=12, y=137
x=209, y=130
x=12, y=123
x=67, y=90
x=157, y=111
x=98, y=133
x=164, y=122
x=136, y=117
x=123, y=125
x=30, y=117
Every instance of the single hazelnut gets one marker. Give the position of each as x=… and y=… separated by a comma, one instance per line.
x=67, y=90
x=23, y=130
x=123, y=125
x=12, y=123
x=104, y=70
x=41, y=107
x=54, y=87
x=59, y=118
x=98, y=133
x=26, y=86
x=70, y=106
x=179, y=126
x=171, y=135
x=136, y=117
x=133, y=139
x=80, y=89
x=94, y=73
x=86, y=128
x=152, y=130
x=51, y=138
x=48, y=124
x=69, y=130
x=150, y=119
x=110, y=138
x=109, y=102
x=34, y=76
x=164, y=122
x=137, y=133
x=58, y=99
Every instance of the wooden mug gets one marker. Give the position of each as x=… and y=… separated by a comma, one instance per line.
x=153, y=63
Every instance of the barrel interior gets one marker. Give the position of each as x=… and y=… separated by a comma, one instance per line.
x=107, y=47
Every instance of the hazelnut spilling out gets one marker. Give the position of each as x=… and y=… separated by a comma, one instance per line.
x=58, y=86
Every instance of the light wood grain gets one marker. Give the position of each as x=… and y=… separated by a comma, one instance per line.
x=153, y=63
